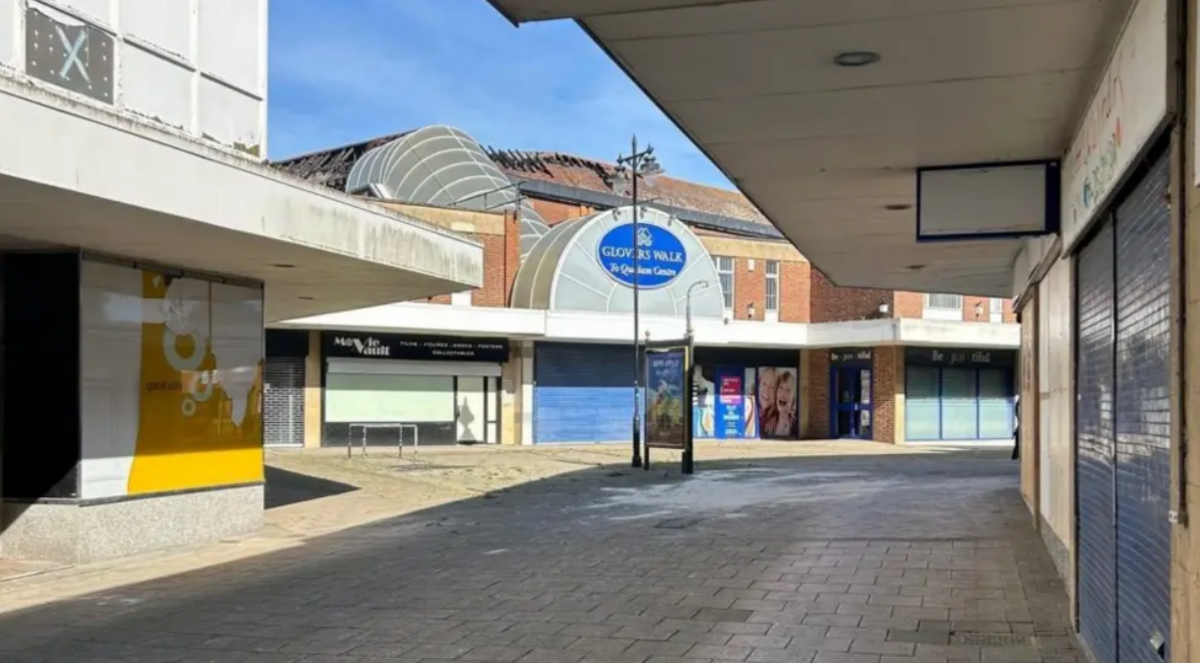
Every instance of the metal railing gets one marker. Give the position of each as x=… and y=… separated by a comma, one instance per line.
x=399, y=438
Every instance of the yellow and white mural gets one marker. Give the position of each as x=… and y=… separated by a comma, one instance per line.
x=172, y=381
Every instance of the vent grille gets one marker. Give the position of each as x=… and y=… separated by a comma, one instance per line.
x=993, y=640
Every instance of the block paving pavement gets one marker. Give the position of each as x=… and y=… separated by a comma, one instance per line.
x=891, y=559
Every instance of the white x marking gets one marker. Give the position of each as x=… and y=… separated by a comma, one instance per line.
x=72, y=54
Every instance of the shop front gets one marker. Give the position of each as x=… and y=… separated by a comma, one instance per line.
x=378, y=386
x=957, y=394
x=746, y=394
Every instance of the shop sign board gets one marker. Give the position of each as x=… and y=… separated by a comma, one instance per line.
x=964, y=357
x=850, y=355
x=661, y=256
x=1125, y=114
x=371, y=345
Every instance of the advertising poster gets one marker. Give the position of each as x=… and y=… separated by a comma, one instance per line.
x=665, y=404
x=730, y=414
x=704, y=398
x=749, y=404
x=778, y=403
x=199, y=420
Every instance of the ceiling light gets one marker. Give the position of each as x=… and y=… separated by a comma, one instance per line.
x=897, y=207
x=283, y=265
x=856, y=58
x=305, y=298
x=915, y=268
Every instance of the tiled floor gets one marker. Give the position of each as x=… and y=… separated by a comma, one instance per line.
x=891, y=559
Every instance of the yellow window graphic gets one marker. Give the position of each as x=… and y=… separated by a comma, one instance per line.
x=200, y=421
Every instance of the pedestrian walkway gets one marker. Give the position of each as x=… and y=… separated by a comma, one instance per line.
x=865, y=559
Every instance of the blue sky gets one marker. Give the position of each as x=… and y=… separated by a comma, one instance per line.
x=341, y=72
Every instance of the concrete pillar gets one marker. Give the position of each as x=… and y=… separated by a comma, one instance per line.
x=314, y=416
x=526, y=389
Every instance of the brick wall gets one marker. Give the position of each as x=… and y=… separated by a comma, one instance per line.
x=833, y=304
x=818, y=394
x=795, y=292
x=908, y=304
x=556, y=212
x=883, y=394
x=749, y=288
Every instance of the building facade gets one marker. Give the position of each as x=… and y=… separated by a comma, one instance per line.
x=542, y=352
x=144, y=245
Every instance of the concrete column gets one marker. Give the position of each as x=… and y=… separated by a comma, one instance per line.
x=898, y=435
x=510, y=399
x=526, y=385
x=314, y=416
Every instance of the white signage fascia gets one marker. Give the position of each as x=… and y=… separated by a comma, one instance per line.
x=1127, y=110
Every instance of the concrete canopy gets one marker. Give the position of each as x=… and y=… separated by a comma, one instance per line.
x=88, y=179
x=823, y=150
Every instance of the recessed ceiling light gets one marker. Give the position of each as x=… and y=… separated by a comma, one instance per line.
x=915, y=268
x=283, y=265
x=897, y=207
x=305, y=298
x=856, y=58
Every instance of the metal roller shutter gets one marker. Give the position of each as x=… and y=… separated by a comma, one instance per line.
x=923, y=406
x=582, y=393
x=1123, y=425
x=960, y=407
x=283, y=401
x=995, y=405
x=1095, y=469
x=1143, y=430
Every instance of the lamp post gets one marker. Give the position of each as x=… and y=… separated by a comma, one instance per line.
x=638, y=165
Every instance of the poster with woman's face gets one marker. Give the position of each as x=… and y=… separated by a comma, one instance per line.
x=778, y=402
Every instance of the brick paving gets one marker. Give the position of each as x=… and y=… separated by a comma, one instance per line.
x=888, y=559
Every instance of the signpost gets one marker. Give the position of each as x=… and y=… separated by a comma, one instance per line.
x=668, y=400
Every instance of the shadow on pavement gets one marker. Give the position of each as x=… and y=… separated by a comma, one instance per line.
x=284, y=487
x=610, y=550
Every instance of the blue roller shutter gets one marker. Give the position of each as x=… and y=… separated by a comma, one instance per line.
x=995, y=405
x=582, y=393
x=1095, y=469
x=959, y=405
x=922, y=405
x=1143, y=422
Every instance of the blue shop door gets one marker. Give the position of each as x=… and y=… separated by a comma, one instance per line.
x=851, y=411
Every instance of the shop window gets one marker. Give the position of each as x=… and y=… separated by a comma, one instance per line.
x=771, y=272
x=943, y=307
x=724, y=266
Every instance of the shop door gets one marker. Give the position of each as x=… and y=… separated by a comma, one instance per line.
x=582, y=393
x=470, y=409
x=1095, y=468
x=283, y=402
x=851, y=416
x=1123, y=427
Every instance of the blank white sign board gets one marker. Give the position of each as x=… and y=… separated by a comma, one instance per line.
x=982, y=202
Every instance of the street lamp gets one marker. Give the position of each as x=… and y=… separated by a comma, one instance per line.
x=638, y=165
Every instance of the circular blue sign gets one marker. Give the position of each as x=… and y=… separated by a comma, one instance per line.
x=661, y=256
